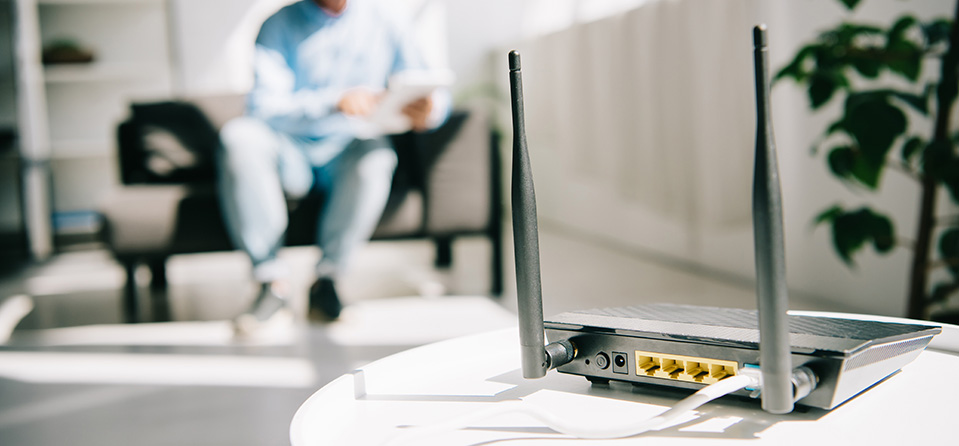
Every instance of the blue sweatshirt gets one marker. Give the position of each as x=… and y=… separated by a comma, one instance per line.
x=306, y=59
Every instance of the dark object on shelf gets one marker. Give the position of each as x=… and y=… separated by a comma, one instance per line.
x=14, y=249
x=8, y=136
x=65, y=51
x=446, y=186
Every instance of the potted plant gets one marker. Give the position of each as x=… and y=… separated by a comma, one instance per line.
x=874, y=134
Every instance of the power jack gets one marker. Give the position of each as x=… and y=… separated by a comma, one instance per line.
x=620, y=364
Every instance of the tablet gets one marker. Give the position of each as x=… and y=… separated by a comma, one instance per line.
x=403, y=87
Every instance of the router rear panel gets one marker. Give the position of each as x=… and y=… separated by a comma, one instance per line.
x=591, y=346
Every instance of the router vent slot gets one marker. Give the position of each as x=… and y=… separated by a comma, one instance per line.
x=884, y=352
x=732, y=318
x=682, y=314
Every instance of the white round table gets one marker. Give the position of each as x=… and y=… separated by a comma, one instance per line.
x=432, y=384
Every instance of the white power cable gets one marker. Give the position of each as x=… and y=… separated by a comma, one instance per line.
x=554, y=422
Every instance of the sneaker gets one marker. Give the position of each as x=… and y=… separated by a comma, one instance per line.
x=324, y=303
x=269, y=309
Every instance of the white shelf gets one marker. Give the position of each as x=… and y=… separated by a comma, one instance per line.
x=77, y=106
x=101, y=72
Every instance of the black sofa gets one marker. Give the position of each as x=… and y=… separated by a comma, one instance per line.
x=446, y=186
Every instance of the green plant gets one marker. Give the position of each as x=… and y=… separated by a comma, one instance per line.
x=876, y=133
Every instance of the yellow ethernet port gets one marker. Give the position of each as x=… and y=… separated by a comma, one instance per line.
x=684, y=368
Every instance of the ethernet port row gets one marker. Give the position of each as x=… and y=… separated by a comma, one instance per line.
x=684, y=368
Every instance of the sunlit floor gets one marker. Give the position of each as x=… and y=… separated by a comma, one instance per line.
x=72, y=373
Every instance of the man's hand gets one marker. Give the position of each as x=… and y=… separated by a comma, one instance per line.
x=419, y=112
x=358, y=102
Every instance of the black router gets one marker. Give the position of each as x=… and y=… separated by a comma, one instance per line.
x=813, y=361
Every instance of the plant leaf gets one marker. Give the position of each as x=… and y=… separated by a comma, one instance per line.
x=874, y=123
x=910, y=148
x=822, y=85
x=940, y=162
x=936, y=31
x=850, y=4
x=917, y=102
x=796, y=68
x=881, y=232
x=895, y=33
x=848, y=163
x=852, y=230
x=943, y=290
x=828, y=215
x=847, y=238
x=949, y=249
x=952, y=185
x=866, y=173
x=841, y=161
x=849, y=235
x=869, y=68
x=845, y=34
x=821, y=89
x=905, y=59
x=838, y=126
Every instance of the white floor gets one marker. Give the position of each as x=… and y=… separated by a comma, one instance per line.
x=73, y=374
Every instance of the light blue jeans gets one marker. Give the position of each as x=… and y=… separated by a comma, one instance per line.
x=260, y=168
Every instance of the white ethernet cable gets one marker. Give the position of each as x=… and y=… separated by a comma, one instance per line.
x=554, y=422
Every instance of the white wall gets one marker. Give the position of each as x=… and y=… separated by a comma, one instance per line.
x=475, y=29
x=214, y=42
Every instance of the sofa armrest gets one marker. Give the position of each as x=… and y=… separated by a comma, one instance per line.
x=141, y=219
x=173, y=142
x=459, y=178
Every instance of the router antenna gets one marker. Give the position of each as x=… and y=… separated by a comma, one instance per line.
x=537, y=359
x=771, y=294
